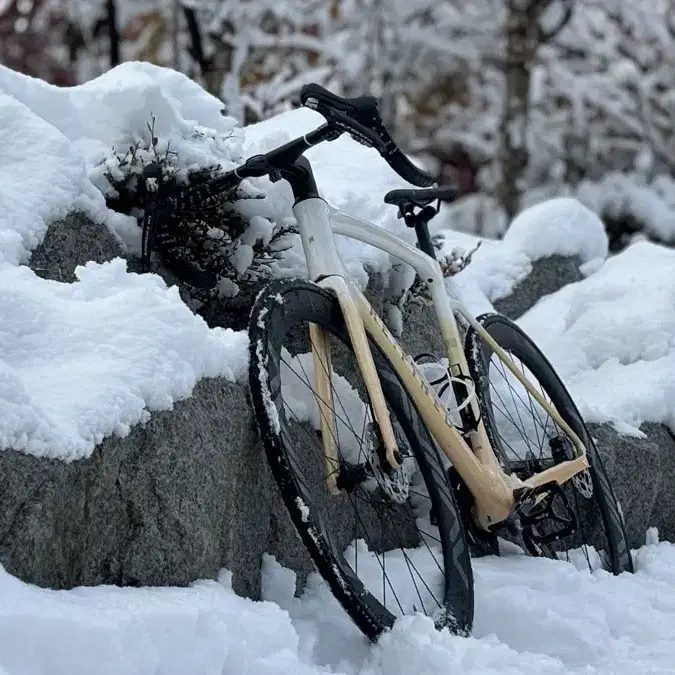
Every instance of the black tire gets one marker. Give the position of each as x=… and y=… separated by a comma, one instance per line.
x=280, y=314
x=598, y=512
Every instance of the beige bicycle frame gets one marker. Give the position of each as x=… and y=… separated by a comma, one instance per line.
x=476, y=462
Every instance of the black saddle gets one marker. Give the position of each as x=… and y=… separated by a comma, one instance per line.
x=406, y=199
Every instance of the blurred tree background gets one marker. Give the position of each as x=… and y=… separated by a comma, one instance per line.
x=515, y=100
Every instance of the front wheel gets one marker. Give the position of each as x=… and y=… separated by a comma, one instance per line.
x=386, y=544
x=582, y=521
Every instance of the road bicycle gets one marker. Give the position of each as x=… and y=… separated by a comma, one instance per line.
x=382, y=477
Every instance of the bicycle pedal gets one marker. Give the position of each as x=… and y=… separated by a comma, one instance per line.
x=537, y=510
x=513, y=526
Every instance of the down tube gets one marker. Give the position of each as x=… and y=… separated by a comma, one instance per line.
x=493, y=493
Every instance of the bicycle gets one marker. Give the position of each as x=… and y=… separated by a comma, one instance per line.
x=448, y=482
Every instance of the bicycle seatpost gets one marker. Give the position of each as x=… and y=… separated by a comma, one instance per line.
x=420, y=223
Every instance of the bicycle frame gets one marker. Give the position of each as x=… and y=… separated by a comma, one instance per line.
x=476, y=462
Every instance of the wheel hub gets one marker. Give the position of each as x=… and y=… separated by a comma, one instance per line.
x=394, y=482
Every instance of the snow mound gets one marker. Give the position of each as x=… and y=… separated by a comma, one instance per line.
x=619, y=195
x=113, y=631
x=560, y=226
x=615, y=326
x=611, y=337
x=495, y=270
x=114, y=111
x=532, y=616
x=83, y=361
x=56, y=144
x=42, y=178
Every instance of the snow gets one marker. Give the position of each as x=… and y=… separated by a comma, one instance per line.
x=86, y=360
x=561, y=226
x=532, y=616
x=115, y=108
x=632, y=196
x=623, y=195
x=42, y=177
x=82, y=124
x=616, y=326
x=54, y=146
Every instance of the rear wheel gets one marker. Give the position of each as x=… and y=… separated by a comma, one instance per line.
x=581, y=522
x=390, y=543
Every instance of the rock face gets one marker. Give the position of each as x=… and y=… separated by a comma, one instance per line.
x=70, y=242
x=168, y=504
x=641, y=471
x=179, y=498
x=547, y=276
x=190, y=492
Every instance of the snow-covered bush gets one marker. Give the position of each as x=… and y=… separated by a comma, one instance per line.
x=201, y=237
x=600, y=121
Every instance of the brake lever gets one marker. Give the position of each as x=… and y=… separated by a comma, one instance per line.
x=345, y=124
x=360, y=133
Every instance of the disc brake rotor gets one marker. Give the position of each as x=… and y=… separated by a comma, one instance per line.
x=395, y=483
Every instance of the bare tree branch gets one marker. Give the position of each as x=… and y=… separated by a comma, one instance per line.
x=113, y=33
x=196, y=48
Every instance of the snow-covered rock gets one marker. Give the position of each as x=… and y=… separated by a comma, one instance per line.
x=174, y=501
x=546, y=276
x=72, y=241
